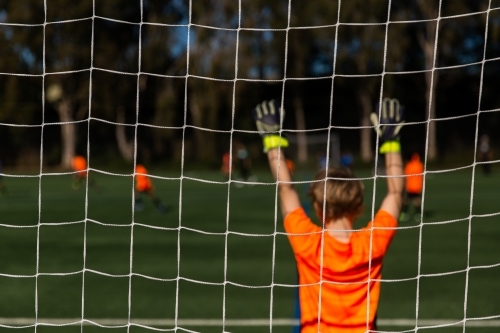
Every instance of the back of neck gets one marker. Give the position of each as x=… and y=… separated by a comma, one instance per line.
x=340, y=229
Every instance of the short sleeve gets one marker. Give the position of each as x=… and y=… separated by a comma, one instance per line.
x=384, y=227
x=303, y=234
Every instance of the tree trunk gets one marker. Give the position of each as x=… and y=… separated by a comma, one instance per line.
x=427, y=41
x=298, y=69
x=195, y=111
x=366, y=132
x=164, y=116
x=427, y=45
x=68, y=133
x=210, y=121
x=204, y=141
x=125, y=147
x=301, y=126
x=430, y=102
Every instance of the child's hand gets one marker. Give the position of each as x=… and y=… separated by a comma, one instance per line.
x=391, y=121
x=269, y=117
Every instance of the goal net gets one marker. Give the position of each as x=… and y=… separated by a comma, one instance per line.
x=170, y=222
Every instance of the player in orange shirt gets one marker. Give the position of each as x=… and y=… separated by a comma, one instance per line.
x=413, y=171
x=79, y=165
x=143, y=185
x=226, y=166
x=339, y=268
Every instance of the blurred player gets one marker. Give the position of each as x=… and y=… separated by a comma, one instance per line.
x=244, y=165
x=347, y=160
x=3, y=188
x=321, y=160
x=333, y=261
x=143, y=185
x=485, y=154
x=79, y=165
x=414, y=170
x=226, y=166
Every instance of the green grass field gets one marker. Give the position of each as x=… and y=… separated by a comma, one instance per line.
x=241, y=220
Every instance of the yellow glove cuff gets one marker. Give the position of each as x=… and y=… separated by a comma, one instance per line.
x=274, y=141
x=390, y=147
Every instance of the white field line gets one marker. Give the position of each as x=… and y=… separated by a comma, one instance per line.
x=229, y=322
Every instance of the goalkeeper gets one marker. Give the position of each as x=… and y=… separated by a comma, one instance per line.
x=414, y=170
x=339, y=269
x=143, y=185
x=79, y=166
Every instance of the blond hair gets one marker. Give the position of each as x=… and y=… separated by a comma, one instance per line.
x=343, y=193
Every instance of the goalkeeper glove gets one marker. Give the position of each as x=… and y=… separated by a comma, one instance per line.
x=391, y=121
x=268, y=117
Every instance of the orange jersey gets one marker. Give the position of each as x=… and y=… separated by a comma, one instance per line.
x=414, y=177
x=346, y=268
x=79, y=164
x=142, y=182
x=226, y=163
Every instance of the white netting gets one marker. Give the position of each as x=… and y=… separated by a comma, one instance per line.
x=332, y=152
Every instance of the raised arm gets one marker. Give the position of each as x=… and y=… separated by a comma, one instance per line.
x=288, y=196
x=395, y=183
x=268, y=118
x=391, y=121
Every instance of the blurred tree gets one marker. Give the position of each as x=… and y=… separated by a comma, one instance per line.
x=427, y=38
x=450, y=41
x=311, y=52
x=71, y=47
x=67, y=50
x=212, y=56
x=291, y=53
x=161, y=91
x=116, y=48
x=57, y=54
x=20, y=96
x=303, y=44
x=361, y=52
x=199, y=93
